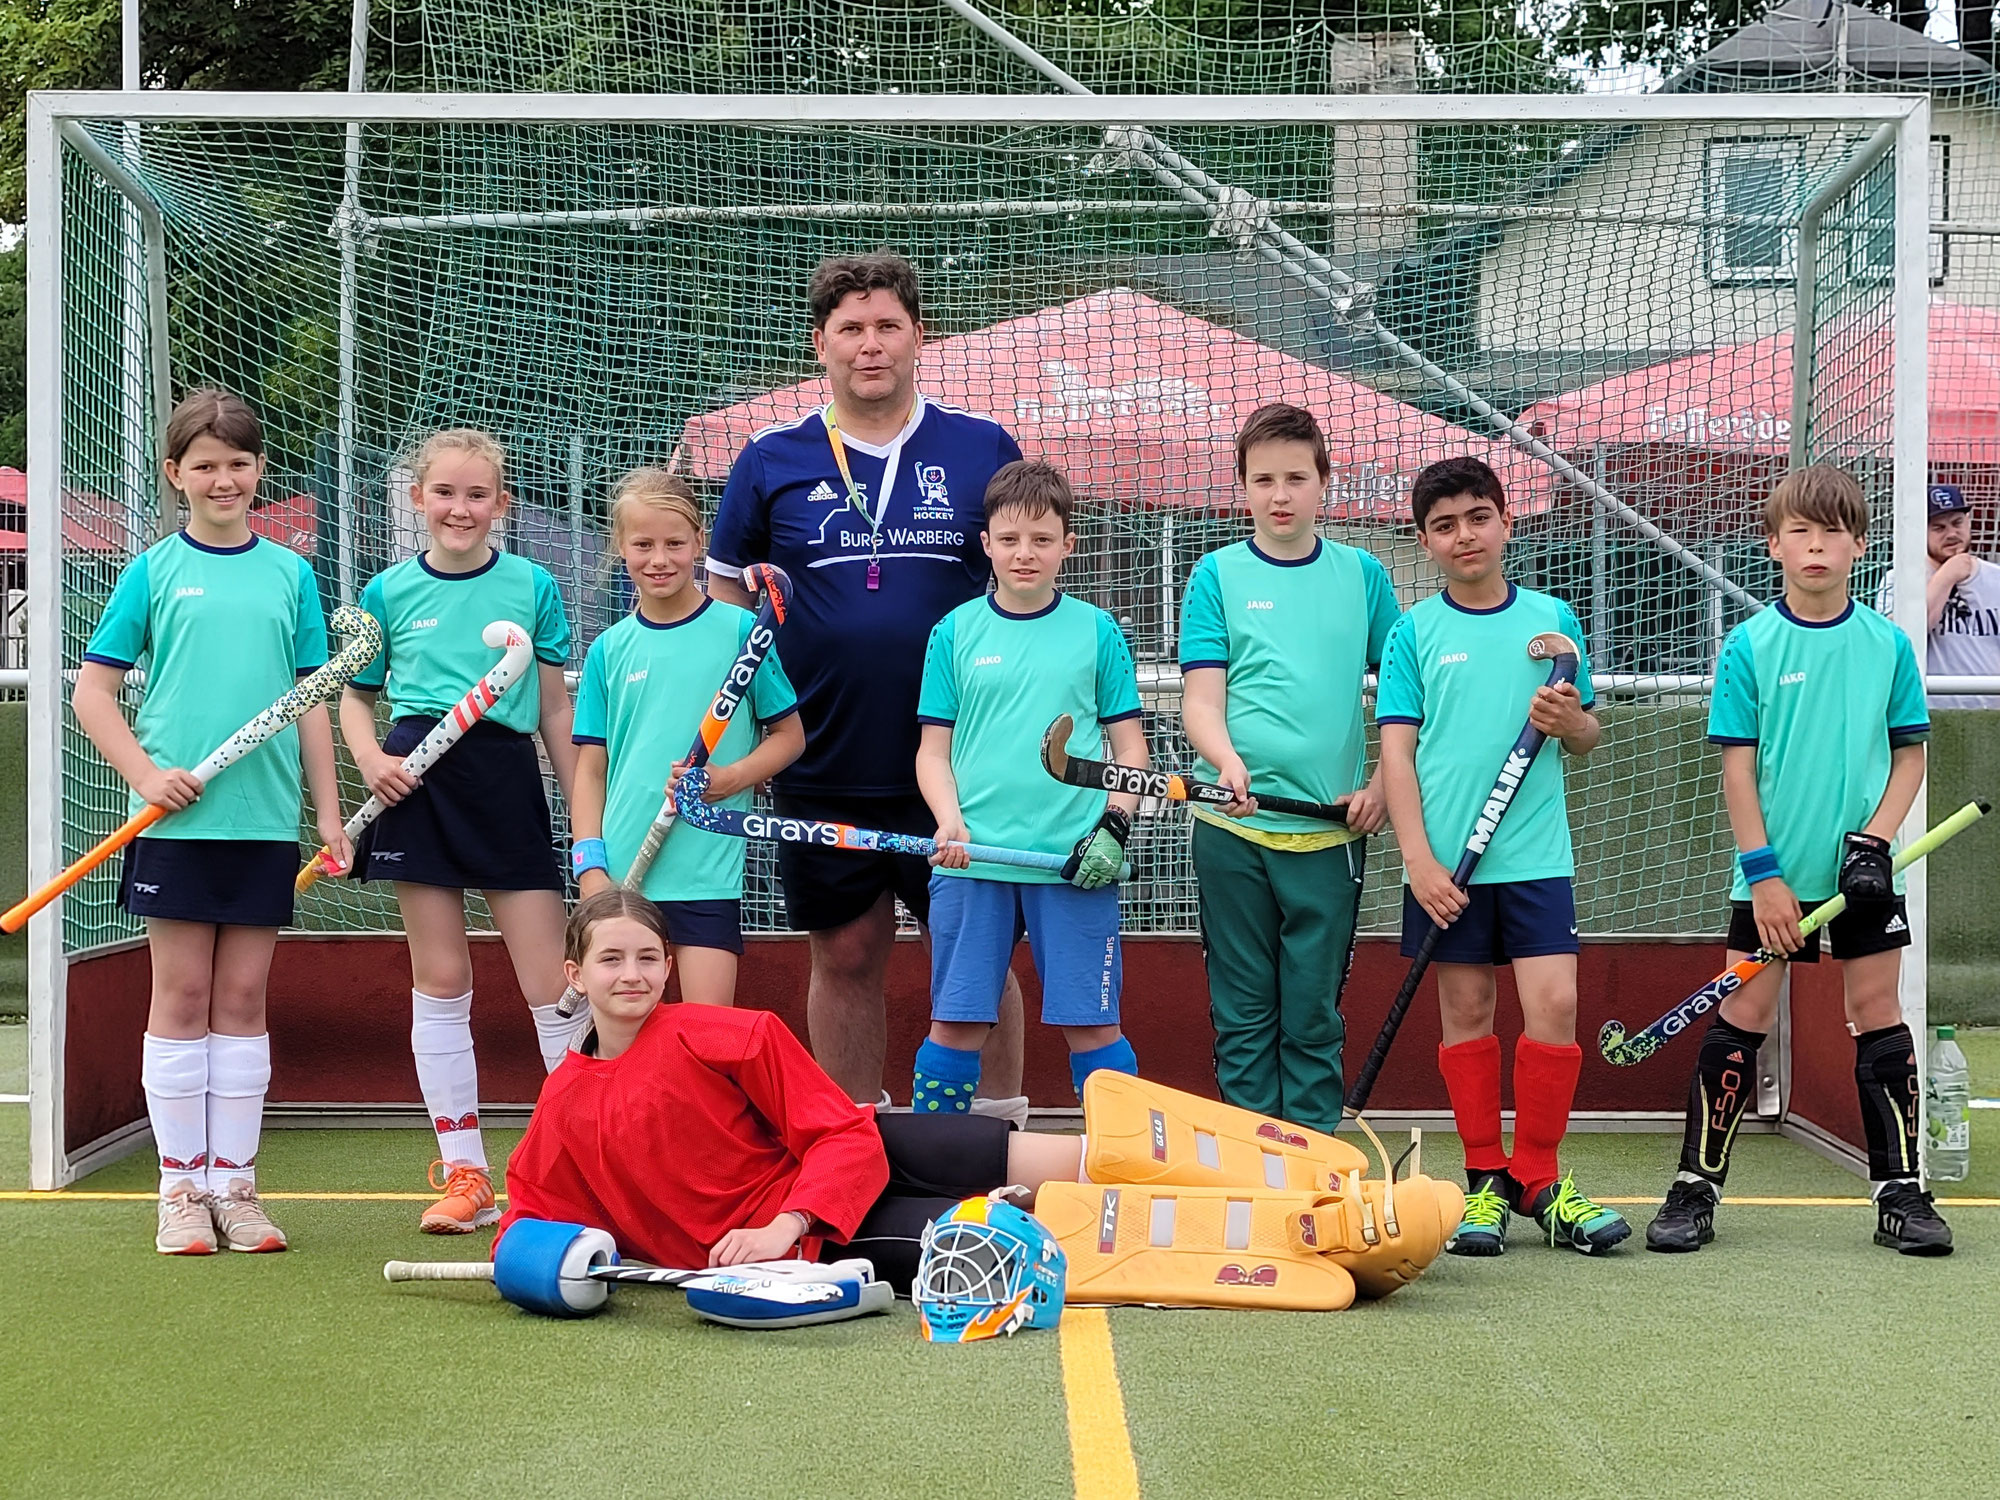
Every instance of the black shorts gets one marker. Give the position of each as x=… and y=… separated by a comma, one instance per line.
x=231, y=882
x=704, y=924
x=934, y=1162
x=1852, y=934
x=479, y=821
x=828, y=888
x=1501, y=922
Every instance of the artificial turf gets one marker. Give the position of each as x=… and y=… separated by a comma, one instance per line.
x=1791, y=1358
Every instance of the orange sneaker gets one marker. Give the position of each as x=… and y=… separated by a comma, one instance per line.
x=467, y=1203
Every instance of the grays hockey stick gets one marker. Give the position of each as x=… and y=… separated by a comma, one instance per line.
x=1109, y=776
x=775, y=585
x=1563, y=657
x=1623, y=1051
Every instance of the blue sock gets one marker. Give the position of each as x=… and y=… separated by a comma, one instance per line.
x=945, y=1080
x=1118, y=1056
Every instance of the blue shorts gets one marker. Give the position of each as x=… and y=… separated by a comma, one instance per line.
x=704, y=924
x=230, y=882
x=1502, y=922
x=1074, y=935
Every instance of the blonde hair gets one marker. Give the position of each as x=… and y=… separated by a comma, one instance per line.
x=461, y=440
x=655, y=489
x=1822, y=493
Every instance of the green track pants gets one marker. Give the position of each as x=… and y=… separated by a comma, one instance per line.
x=1277, y=933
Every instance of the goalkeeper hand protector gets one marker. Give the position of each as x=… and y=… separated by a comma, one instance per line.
x=1099, y=855
x=1866, y=872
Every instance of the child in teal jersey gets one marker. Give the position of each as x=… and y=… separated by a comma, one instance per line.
x=997, y=672
x=647, y=684
x=479, y=819
x=1819, y=709
x=1277, y=633
x=225, y=622
x=1455, y=686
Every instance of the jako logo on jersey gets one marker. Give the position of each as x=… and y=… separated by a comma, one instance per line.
x=1259, y=604
x=638, y=676
x=430, y=624
x=1791, y=679
x=1451, y=658
x=187, y=593
x=1496, y=803
x=988, y=661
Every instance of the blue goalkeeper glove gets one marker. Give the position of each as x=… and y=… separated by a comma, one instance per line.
x=1099, y=856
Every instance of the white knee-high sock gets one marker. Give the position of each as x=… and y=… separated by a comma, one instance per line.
x=174, y=1073
x=441, y=1038
x=239, y=1074
x=556, y=1033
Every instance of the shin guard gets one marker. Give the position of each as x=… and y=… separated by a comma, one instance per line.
x=1885, y=1072
x=1719, y=1094
x=1142, y=1133
x=1383, y=1243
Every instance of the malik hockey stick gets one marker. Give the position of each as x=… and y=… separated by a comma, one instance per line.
x=775, y=585
x=449, y=730
x=364, y=643
x=1108, y=776
x=1623, y=1051
x=1561, y=653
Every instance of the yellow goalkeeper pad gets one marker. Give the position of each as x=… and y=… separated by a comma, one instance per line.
x=1189, y=1247
x=1380, y=1249
x=1141, y=1133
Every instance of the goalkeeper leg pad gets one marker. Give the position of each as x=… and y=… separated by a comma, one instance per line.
x=1383, y=1242
x=1189, y=1247
x=1144, y=1133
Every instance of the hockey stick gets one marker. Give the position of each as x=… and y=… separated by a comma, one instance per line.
x=775, y=585
x=712, y=818
x=364, y=643
x=1563, y=657
x=468, y=711
x=1623, y=1051
x=1108, y=776
x=629, y=1273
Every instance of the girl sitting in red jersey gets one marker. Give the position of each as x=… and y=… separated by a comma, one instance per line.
x=698, y=1135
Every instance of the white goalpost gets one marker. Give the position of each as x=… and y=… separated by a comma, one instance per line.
x=606, y=280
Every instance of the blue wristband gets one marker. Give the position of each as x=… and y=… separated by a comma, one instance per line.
x=588, y=854
x=1760, y=865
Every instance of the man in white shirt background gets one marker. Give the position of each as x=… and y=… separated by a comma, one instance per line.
x=1962, y=601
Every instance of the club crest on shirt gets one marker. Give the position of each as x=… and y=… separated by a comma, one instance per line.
x=933, y=495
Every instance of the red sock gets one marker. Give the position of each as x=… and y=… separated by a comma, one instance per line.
x=1544, y=1089
x=1472, y=1078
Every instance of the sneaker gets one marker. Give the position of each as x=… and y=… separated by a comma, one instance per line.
x=1907, y=1221
x=240, y=1220
x=1686, y=1221
x=1569, y=1218
x=1483, y=1230
x=467, y=1203
x=185, y=1225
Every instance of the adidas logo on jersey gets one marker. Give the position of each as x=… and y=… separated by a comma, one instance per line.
x=1451, y=658
x=821, y=493
x=187, y=593
x=1896, y=924
x=1791, y=679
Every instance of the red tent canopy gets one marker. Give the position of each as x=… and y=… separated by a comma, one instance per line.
x=1138, y=401
x=1738, y=400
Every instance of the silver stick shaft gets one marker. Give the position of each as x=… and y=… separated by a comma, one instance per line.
x=438, y=1270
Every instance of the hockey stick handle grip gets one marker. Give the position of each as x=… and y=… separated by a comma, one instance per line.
x=17, y=915
x=438, y=1270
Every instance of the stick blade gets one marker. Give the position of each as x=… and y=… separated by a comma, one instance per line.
x=1055, y=746
x=1550, y=645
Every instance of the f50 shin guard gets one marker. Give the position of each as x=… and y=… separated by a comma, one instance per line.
x=1140, y=1132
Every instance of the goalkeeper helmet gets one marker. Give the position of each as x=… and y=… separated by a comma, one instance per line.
x=986, y=1269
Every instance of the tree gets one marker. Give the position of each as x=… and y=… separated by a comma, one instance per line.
x=14, y=357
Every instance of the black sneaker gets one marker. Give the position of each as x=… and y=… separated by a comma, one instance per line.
x=1686, y=1221
x=1906, y=1221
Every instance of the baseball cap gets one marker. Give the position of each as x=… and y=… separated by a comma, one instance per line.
x=1946, y=498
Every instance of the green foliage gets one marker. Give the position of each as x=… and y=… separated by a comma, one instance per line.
x=14, y=357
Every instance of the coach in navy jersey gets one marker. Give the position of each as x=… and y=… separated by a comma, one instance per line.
x=874, y=507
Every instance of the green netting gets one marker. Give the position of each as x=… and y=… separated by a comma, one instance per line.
x=606, y=296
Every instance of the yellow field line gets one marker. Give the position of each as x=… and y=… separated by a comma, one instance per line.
x=1100, y=1449
x=66, y=1195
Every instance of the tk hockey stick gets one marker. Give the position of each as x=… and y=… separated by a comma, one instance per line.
x=1562, y=655
x=1623, y=1051
x=775, y=585
x=364, y=643
x=468, y=711
x=1108, y=776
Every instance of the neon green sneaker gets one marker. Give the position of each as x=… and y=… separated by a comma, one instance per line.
x=1569, y=1218
x=1483, y=1230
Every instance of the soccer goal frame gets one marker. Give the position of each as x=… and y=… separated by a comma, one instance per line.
x=65, y=1142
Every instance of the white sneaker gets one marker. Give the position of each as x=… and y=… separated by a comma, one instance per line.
x=240, y=1220
x=185, y=1225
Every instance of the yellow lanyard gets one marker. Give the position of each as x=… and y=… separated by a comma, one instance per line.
x=854, y=495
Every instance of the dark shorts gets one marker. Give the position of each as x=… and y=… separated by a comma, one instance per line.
x=704, y=924
x=231, y=882
x=1502, y=922
x=479, y=821
x=934, y=1162
x=828, y=888
x=1852, y=934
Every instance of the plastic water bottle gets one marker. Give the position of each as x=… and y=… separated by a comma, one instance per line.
x=1947, y=1116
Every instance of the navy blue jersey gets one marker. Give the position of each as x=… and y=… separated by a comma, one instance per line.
x=856, y=654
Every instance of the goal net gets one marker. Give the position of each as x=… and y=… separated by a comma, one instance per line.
x=1638, y=310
